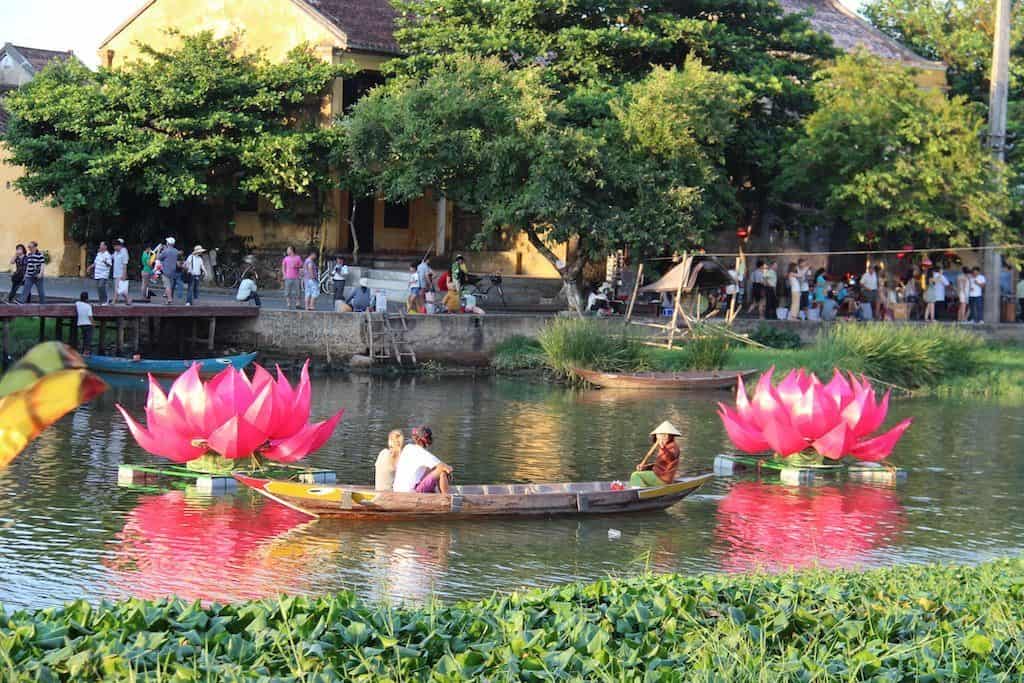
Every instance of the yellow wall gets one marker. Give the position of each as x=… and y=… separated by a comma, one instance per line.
x=22, y=221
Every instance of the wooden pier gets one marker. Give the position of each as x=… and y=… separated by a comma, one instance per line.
x=134, y=326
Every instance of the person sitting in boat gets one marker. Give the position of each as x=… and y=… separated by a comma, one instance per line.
x=663, y=470
x=418, y=470
x=384, y=479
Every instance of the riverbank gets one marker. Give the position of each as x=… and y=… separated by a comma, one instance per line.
x=934, y=622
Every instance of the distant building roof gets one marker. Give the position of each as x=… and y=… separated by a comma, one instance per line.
x=367, y=24
x=35, y=59
x=850, y=32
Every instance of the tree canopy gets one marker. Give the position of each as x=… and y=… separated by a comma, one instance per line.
x=181, y=132
x=895, y=162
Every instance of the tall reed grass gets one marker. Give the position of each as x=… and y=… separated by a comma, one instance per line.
x=574, y=342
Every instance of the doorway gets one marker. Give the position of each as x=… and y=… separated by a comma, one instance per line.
x=364, y=209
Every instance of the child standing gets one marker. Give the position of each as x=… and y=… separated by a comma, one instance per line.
x=84, y=311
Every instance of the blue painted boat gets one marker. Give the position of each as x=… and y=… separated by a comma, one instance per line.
x=166, y=368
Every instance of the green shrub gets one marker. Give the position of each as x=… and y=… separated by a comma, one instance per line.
x=518, y=353
x=585, y=343
x=906, y=355
x=703, y=353
x=907, y=623
x=776, y=337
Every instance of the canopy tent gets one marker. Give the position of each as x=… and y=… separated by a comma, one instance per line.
x=698, y=272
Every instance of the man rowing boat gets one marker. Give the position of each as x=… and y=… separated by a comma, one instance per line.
x=663, y=470
x=418, y=470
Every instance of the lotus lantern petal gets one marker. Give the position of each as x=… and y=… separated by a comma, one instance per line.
x=802, y=414
x=231, y=416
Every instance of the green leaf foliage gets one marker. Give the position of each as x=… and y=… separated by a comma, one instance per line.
x=910, y=623
x=198, y=125
x=895, y=162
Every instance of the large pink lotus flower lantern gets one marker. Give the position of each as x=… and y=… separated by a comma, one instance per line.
x=230, y=418
x=803, y=415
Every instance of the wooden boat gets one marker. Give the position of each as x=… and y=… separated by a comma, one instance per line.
x=485, y=500
x=166, y=368
x=677, y=381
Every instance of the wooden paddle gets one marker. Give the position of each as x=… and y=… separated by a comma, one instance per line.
x=643, y=463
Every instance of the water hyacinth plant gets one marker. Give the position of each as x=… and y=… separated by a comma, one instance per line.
x=804, y=416
x=231, y=418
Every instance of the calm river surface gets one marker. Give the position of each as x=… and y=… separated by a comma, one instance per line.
x=68, y=531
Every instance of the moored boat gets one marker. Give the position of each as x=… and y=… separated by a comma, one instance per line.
x=166, y=368
x=483, y=500
x=678, y=381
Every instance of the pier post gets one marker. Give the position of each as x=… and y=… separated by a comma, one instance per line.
x=119, y=344
x=42, y=329
x=212, y=331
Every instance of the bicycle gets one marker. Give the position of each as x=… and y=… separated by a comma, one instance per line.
x=481, y=293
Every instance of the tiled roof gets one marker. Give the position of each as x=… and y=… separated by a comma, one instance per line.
x=38, y=59
x=368, y=24
x=850, y=32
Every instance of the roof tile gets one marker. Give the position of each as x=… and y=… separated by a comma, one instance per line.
x=38, y=58
x=368, y=24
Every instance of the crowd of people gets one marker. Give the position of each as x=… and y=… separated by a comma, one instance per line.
x=925, y=292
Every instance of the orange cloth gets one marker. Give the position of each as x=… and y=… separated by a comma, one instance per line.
x=667, y=462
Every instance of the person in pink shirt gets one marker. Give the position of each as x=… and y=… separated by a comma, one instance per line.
x=291, y=269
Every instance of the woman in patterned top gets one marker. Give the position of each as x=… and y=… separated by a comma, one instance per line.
x=663, y=470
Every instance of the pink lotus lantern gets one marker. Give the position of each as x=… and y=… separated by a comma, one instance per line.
x=209, y=426
x=803, y=416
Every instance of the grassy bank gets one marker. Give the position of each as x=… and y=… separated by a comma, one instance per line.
x=918, y=623
x=939, y=360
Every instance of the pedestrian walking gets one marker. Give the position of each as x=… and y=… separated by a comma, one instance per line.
x=17, y=272
x=147, y=261
x=793, y=281
x=803, y=272
x=35, y=262
x=121, y=282
x=291, y=270
x=311, y=280
x=771, y=287
x=936, y=293
x=101, y=268
x=963, y=289
x=193, y=273
x=168, y=259
x=869, y=289
x=976, y=295
x=339, y=275
x=85, y=322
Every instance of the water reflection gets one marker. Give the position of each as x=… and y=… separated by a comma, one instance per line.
x=207, y=549
x=764, y=526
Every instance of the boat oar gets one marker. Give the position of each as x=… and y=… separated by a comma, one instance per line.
x=643, y=463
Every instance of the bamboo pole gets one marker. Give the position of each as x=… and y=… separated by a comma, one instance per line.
x=636, y=290
x=679, y=294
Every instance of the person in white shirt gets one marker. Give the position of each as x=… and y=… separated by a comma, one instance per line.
x=387, y=459
x=425, y=275
x=976, y=295
x=247, y=289
x=195, y=270
x=936, y=293
x=84, y=312
x=803, y=273
x=120, y=268
x=100, y=268
x=869, y=289
x=418, y=470
x=339, y=275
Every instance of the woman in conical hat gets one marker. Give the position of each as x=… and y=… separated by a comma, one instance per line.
x=663, y=470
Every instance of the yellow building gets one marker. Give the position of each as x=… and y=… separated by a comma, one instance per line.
x=22, y=220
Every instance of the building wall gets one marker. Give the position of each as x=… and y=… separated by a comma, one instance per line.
x=22, y=221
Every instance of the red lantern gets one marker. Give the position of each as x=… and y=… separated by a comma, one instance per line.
x=742, y=232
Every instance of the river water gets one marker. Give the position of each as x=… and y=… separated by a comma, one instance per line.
x=67, y=530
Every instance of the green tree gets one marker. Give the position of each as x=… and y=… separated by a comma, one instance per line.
x=175, y=137
x=894, y=162
x=645, y=170
x=583, y=45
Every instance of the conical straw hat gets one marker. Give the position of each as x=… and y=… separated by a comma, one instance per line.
x=666, y=427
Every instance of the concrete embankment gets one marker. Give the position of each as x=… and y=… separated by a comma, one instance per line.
x=323, y=336
x=462, y=339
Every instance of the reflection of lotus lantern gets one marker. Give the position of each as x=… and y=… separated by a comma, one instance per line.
x=762, y=526
x=204, y=550
x=229, y=418
x=803, y=415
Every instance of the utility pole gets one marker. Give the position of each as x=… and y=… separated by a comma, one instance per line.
x=997, y=96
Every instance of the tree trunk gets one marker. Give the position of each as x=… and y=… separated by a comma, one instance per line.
x=570, y=271
x=352, y=228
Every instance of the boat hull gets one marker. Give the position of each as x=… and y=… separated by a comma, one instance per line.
x=667, y=381
x=492, y=500
x=166, y=368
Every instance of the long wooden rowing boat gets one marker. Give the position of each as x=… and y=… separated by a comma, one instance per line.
x=678, y=381
x=485, y=500
x=166, y=368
